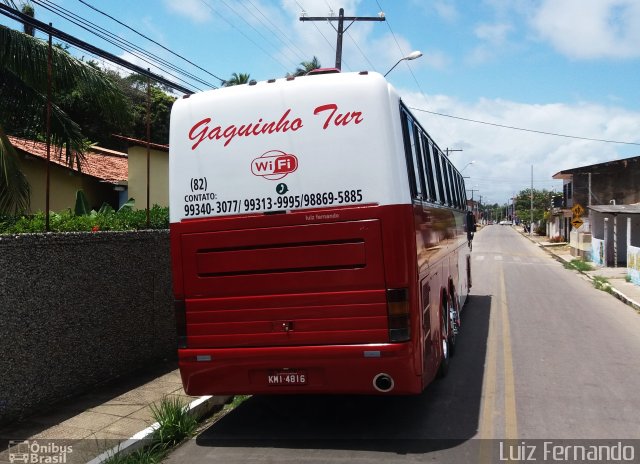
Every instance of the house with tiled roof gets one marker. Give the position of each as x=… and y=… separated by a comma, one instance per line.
x=103, y=176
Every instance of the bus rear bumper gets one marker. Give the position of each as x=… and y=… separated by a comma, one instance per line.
x=349, y=369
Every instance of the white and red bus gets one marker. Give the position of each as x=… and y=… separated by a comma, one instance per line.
x=318, y=239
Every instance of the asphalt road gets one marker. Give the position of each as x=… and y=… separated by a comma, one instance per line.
x=542, y=355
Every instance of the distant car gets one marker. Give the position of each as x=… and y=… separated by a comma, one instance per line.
x=505, y=223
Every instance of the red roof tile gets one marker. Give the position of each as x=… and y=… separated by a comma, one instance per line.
x=142, y=143
x=107, y=165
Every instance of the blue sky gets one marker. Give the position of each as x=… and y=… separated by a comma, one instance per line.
x=562, y=66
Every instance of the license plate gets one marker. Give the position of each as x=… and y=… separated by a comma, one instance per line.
x=287, y=378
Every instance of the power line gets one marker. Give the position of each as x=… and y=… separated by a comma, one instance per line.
x=20, y=17
x=302, y=12
x=366, y=58
x=119, y=42
x=402, y=53
x=340, y=30
x=150, y=40
x=275, y=26
x=271, y=28
x=242, y=33
x=555, y=134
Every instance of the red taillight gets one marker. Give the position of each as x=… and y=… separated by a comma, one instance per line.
x=181, y=323
x=398, y=314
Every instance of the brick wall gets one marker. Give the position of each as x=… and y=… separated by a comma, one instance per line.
x=77, y=309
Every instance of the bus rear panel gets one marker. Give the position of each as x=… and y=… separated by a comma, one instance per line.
x=293, y=240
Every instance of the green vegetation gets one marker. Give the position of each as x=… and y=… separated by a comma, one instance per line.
x=237, y=79
x=237, y=401
x=23, y=90
x=175, y=425
x=105, y=219
x=602, y=283
x=578, y=265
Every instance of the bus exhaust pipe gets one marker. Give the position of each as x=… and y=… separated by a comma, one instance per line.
x=383, y=383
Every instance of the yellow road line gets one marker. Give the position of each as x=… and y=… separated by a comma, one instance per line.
x=498, y=325
x=510, y=416
x=489, y=383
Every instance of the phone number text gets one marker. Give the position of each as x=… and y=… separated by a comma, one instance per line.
x=283, y=202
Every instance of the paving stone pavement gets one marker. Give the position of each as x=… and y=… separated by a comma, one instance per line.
x=79, y=429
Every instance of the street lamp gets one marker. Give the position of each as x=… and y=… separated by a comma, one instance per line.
x=467, y=165
x=411, y=56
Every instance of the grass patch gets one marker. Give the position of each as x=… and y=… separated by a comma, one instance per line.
x=578, y=265
x=602, y=283
x=151, y=454
x=176, y=424
x=237, y=401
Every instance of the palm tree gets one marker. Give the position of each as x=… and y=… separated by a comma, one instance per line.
x=23, y=90
x=236, y=79
x=307, y=66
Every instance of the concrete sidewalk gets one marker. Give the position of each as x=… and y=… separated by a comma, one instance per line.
x=616, y=276
x=80, y=429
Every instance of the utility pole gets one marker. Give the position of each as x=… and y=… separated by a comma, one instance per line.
x=341, y=29
x=472, y=202
x=531, y=222
x=447, y=150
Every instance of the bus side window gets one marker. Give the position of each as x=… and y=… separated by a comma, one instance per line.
x=428, y=165
x=413, y=157
x=452, y=186
x=419, y=165
x=406, y=131
x=460, y=184
x=455, y=185
x=445, y=175
x=439, y=173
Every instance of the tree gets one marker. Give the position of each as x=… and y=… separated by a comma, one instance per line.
x=306, y=67
x=29, y=11
x=541, y=203
x=23, y=90
x=134, y=116
x=236, y=79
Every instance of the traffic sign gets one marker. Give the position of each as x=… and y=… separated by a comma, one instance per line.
x=577, y=210
x=577, y=222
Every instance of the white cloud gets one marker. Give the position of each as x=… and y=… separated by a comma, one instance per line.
x=588, y=29
x=493, y=40
x=495, y=34
x=503, y=157
x=194, y=10
x=445, y=9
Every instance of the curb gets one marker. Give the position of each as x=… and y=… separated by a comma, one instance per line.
x=625, y=299
x=198, y=408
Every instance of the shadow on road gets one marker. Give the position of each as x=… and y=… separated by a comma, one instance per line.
x=443, y=416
